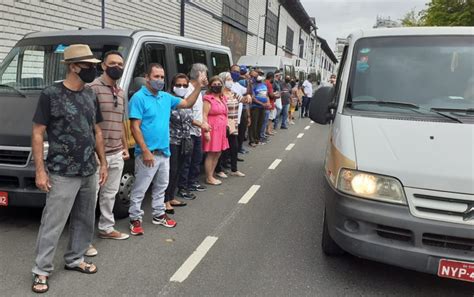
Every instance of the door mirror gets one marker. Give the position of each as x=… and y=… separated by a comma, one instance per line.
x=321, y=106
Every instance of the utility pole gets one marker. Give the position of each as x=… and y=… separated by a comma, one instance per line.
x=103, y=14
x=181, y=23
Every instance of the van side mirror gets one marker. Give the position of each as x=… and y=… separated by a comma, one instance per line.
x=322, y=105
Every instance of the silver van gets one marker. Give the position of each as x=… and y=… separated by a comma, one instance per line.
x=34, y=63
x=400, y=154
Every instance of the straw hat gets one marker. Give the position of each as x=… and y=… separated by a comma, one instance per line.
x=76, y=53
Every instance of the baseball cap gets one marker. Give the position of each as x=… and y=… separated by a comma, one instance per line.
x=243, y=69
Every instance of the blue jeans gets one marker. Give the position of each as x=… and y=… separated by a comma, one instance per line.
x=305, y=106
x=265, y=123
x=189, y=173
x=284, y=117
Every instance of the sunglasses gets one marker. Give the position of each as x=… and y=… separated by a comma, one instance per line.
x=181, y=85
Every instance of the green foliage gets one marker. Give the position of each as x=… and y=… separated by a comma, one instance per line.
x=412, y=19
x=442, y=13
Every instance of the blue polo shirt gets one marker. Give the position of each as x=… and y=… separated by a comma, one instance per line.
x=154, y=112
x=260, y=92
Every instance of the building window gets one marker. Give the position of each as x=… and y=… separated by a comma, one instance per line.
x=301, y=45
x=237, y=11
x=289, y=39
x=271, y=28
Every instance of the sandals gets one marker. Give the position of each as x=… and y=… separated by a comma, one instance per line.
x=38, y=281
x=87, y=268
x=216, y=183
x=180, y=204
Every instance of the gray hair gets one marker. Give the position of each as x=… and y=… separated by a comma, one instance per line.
x=223, y=76
x=196, y=69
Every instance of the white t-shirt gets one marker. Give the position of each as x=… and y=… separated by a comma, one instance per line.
x=197, y=111
x=308, y=88
x=240, y=90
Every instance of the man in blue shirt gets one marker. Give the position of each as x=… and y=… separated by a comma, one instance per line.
x=257, y=111
x=149, y=113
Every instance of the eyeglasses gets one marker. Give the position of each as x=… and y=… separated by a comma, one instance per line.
x=181, y=85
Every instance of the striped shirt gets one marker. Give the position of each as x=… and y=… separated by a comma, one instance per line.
x=112, y=112
x=233, y=109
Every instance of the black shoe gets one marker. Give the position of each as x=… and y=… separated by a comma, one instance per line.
x=240, y=160
x=169, y=211
x=186, y=195
x=197, y=188
x=284, y=128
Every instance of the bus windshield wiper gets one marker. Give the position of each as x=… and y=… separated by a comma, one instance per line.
x=405, y=104
x=16, y=90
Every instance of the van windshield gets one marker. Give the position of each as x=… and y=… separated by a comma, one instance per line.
x=36, y=63
x=432, y=72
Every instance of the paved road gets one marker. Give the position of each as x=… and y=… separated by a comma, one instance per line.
x=267, y=247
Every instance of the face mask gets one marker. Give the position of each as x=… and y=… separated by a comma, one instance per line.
x=229, y=84
x=216, y=89
x=157, y=84
x=87, y=75
x=287, y=80
x=180, y=92
x=260, y=78
x=235, y=76
x=114, y=73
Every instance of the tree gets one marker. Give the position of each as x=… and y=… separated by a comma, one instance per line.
x=442, y=13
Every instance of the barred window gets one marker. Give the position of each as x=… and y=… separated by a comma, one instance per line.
x=289, y=39
x=237, y=11
x=271, y=28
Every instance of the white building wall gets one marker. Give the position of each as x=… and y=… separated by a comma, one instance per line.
x=19, y=17
x=200, y=25
x=256, y=12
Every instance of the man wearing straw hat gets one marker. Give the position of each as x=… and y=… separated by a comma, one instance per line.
x=68, y=112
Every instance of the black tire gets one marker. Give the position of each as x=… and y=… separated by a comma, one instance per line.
x=122, y=200
x=329, y=246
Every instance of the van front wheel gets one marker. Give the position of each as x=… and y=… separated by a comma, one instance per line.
x=122, y=200
x=328, y=244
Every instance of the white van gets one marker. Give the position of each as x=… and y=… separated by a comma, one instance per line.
x=400, y=157
x=34, y=63
x=269, y=64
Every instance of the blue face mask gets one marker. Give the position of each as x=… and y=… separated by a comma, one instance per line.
x=235, y=76
x=157, y=84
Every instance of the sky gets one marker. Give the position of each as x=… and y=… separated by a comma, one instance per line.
x=338, y=18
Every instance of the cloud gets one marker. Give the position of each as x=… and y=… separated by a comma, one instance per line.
x=338, y=18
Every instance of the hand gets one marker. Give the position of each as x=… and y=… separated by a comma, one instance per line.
x=207, y=137
x=125, y=154
x=267, y=105
x=247, y=99
x=42, y=181
x=148, y=159
x=206, y=127
x=103, y=174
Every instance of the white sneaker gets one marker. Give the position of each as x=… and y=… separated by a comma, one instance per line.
x=91, y=251
x=292, y=123
x=222, y=175
x=237, y=173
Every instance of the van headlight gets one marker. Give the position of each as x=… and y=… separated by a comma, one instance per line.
x=371, y=186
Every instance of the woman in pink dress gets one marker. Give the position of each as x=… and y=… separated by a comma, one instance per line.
x=214, y=114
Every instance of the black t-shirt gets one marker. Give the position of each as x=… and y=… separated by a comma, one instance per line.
x=285, y=93
x=70, y=117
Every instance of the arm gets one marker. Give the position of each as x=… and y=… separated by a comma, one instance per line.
x=205, y=113
x=37, y=143
x=125, y=153
x=137, y=134
x=100, y=150
x=191, y=99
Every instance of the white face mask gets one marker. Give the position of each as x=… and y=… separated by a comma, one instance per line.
x=228, y=84
x=180, y=92
x=260, y=78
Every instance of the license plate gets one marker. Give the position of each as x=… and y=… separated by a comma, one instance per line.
x=456, y=270
x=3, y=199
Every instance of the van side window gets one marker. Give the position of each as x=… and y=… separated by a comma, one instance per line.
x=340, y=71
x=186, y=57
x=150, y=53
x=220, y=63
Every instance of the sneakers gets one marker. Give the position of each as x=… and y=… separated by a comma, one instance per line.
x=237, y=173
x=165, y=221
x=113, y=235
x=91, y=251
x=185, y=194
x=222, y=174
x=136, y=227
x=197, y=187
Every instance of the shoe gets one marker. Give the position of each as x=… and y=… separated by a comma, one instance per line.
x=186, y=194
x=136, y=227
x=243, y=151
x=169, y=211
x=113, y=235
x=240, y=160
x=216, y=183
x=91, y=251
x=165, y=221
x=237, y=173
x=222, y=175
x=292, y=123
x=197, y=187
x=284, y=128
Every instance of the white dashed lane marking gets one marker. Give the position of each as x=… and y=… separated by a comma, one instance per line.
x=300, y=135
x=307, y=127
x=188, y=266
x=274, y=164
x=290, y=146
x=247, y=196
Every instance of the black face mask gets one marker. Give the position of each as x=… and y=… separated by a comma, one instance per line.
x=87, y=75
x=216, y=89
x=287, y=80
x=114, y=73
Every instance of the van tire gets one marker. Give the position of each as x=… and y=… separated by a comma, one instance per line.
x=329, y=246
x=122, y=199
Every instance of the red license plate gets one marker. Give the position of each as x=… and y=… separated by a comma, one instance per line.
x=3, y=199
x=456, y=270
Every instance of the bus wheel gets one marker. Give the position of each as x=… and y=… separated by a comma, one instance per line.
x=122, y=200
